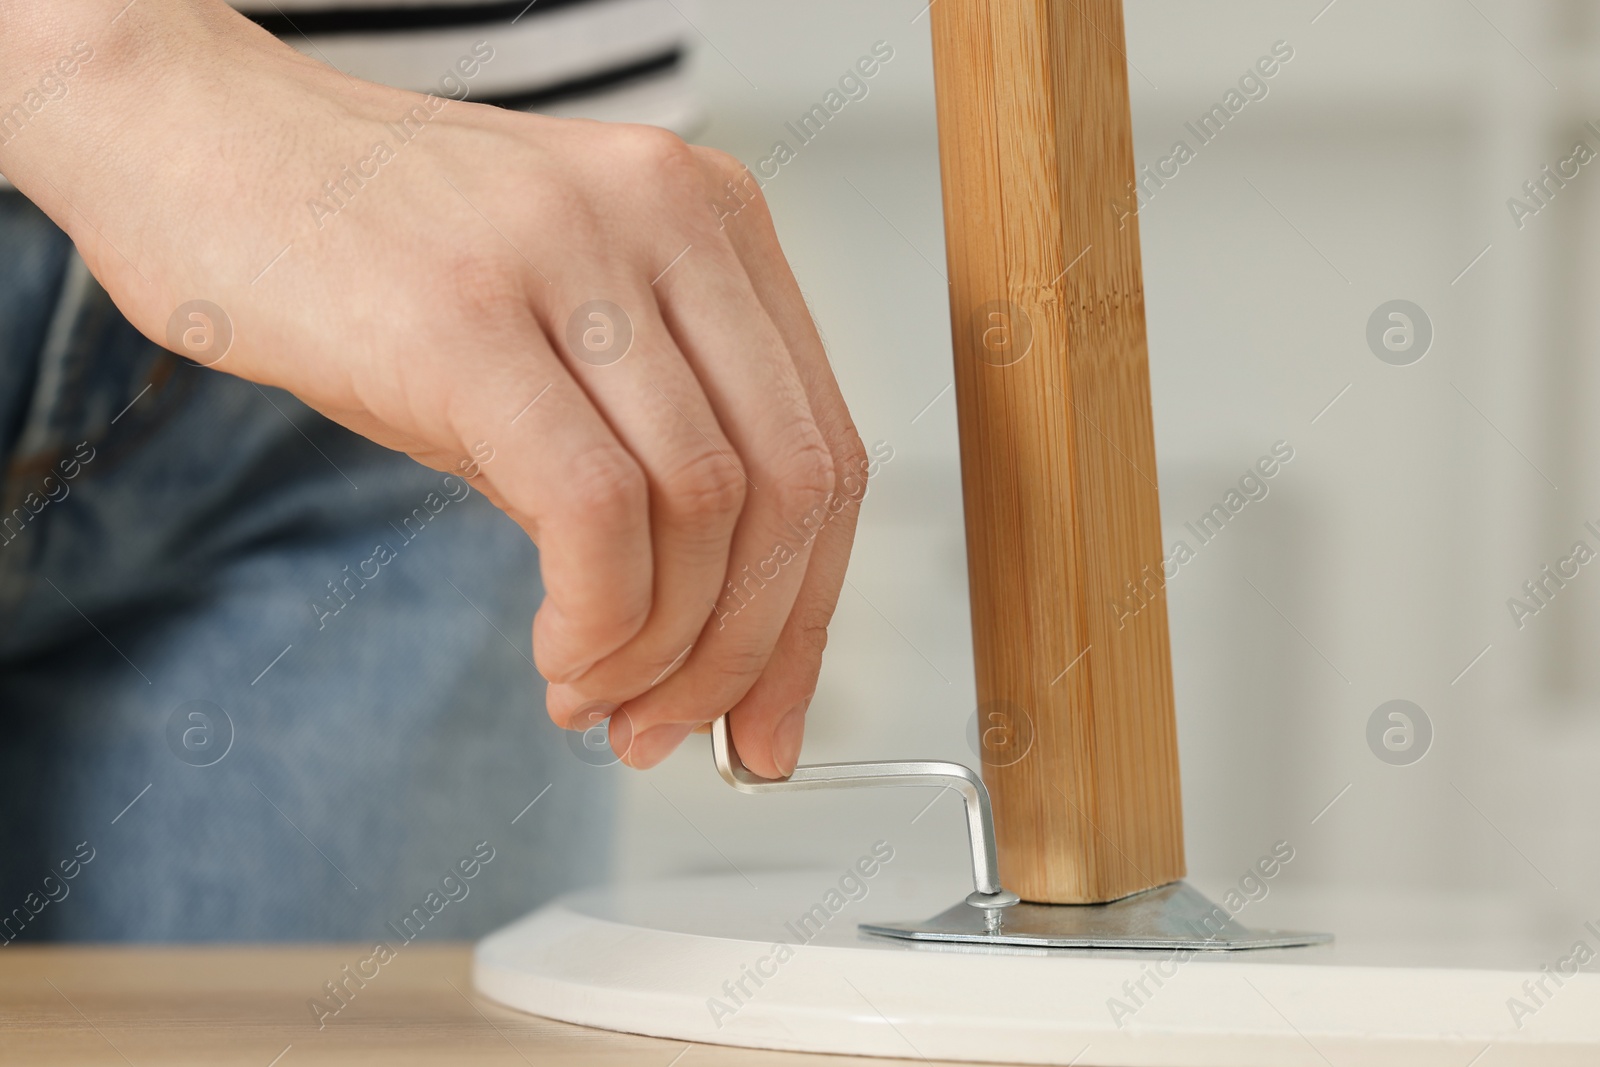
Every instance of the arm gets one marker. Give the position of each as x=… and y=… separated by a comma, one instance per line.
x=442, y=309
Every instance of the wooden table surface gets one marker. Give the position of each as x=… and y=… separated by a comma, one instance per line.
x=130, y=1007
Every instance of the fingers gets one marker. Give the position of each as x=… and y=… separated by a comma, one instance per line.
x=770, y=674
x=750, y=378
x=696, y=485
x=561, y=472
x=768, y=723
x=728, y=378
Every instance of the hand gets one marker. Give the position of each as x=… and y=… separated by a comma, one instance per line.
x=684, y=434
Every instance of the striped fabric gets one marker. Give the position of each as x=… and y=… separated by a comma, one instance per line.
x=617, y=60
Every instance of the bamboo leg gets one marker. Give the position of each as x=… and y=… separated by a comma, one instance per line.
x=1057, y=449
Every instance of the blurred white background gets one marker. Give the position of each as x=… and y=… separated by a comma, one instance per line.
x=1378, y=168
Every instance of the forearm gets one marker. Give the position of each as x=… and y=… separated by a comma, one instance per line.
x=167, y=125
x=101, y=100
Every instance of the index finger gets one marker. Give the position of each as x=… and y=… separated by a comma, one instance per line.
x=563, y=475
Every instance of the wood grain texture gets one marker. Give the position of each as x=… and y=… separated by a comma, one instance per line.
x=1057, y=447
x=247, y=1007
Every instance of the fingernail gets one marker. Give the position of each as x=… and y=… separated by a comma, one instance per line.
x=619, y=731
x=787, y=736
x=656, y=744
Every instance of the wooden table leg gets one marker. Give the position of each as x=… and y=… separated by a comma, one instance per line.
x=1057, y=450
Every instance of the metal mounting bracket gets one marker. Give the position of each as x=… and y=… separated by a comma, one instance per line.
x=1175, y=916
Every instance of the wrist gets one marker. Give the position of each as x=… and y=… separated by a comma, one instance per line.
x=89, y=90
x=158, y=139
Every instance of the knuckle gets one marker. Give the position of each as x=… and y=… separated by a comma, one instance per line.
x=711, y=486
x=809, y=627
x=487, y=290
x=656, y=151
x=606, y=484
x=844, y=441
x=726, y=167
x=723, y=164
x=806, y=479
x=851, y=463
x=735, y=669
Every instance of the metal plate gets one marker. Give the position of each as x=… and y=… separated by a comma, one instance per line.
x=1175, y=916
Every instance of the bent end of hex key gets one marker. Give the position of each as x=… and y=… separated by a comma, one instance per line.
x=980, y=819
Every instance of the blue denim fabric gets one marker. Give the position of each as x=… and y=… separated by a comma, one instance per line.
x=166, y=534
